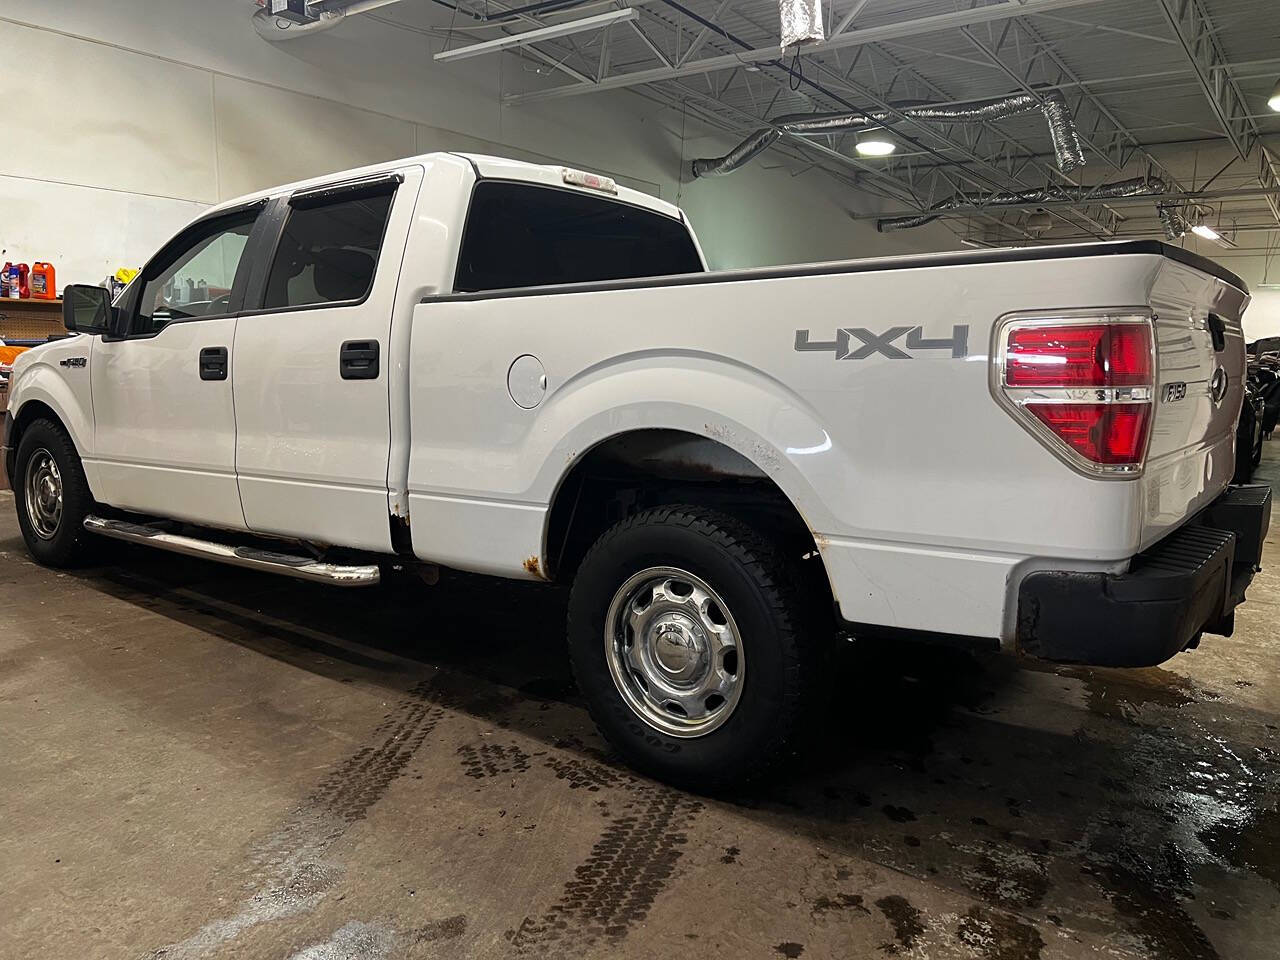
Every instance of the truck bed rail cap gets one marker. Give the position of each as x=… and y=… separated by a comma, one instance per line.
x=955, y=258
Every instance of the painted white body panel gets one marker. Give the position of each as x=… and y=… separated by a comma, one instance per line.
x=39, y=377
x=311, y=449
x=164, y=440
x=928, y=501
x=1180, y=478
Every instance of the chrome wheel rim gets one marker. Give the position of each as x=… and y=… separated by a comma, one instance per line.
x=43, y=489
x=674, y=652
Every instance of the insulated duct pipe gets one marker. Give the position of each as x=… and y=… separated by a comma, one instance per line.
x=801, y=22
x=1174, y=222
x=273, y=28
x=1067, y=149
x=1137, y=187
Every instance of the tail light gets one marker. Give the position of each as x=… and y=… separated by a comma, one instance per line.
x=1083, y=386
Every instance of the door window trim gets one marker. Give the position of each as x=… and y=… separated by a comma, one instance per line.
x=307, y=199
x=180, y=243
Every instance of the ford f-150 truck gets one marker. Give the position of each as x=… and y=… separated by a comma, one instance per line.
x=527, y=371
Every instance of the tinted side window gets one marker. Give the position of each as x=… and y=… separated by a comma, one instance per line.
x=328, y=252
x=196, y=279
x=520, y=235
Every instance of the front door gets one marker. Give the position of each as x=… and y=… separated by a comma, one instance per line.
x=310, y=378
x=165, y=428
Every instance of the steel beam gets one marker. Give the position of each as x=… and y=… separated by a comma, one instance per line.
x=847, y=19
x=1243, y=193
x=908, y=28
x=512, y=40
x=702, y=36
x=1269, y=179
x=1195, y=32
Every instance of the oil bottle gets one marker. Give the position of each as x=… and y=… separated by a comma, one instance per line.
x=43, y=281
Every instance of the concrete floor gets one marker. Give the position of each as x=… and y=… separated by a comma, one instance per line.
x=199, y=762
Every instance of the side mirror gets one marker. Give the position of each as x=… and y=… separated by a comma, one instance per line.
x=87, y=309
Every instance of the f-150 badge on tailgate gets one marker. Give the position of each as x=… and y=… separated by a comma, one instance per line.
x=870, y=344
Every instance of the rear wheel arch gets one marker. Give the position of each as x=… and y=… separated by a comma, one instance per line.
x=631, y=471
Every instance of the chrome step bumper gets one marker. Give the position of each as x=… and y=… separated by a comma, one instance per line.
x=303, y=568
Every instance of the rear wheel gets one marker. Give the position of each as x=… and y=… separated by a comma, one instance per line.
x=52, y=496
x=696, y=647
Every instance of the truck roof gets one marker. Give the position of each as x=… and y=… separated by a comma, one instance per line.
x=497, y=168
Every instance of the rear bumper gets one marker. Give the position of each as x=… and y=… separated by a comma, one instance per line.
x=1187, y=584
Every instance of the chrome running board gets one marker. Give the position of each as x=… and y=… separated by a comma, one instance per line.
x=254, y=558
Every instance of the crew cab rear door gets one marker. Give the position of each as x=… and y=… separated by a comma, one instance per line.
x=310, y=372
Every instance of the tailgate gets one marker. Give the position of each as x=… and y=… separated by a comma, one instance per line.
x=1200, y=364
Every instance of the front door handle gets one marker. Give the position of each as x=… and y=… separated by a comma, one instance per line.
x=213, y=363
x=358, y=360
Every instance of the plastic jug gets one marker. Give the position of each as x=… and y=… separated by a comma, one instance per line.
x=4, y=281
x=43, y=281
x=22, y=273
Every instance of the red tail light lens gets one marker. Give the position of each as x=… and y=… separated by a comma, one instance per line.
x=1083, y=387
x=1079, y=355
x=1106, y=433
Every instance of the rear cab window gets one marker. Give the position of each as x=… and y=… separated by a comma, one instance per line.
x=527, y=235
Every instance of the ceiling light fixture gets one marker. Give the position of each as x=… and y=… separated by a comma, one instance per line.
x=1274, y=102
x=1206, y=232
x=874, y=145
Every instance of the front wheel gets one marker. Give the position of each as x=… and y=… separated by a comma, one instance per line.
x=697, y=649
x=52, y=496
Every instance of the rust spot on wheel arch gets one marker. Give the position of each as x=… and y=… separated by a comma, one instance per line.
x=532, y=566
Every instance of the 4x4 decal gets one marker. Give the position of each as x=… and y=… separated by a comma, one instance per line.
x=883, y=343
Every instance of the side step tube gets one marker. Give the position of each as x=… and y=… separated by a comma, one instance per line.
x=304, y=568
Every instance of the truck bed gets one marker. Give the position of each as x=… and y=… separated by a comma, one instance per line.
x=928, y=500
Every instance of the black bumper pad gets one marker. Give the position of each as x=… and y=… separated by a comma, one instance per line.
x=1188, y=583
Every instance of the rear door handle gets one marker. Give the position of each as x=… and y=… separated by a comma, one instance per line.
x=213, y=363
x=358, y=360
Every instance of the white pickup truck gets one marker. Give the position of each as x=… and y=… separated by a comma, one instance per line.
x=527, y=371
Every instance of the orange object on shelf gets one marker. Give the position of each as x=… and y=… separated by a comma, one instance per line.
x=43, y=282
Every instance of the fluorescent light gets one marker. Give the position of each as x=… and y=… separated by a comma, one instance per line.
x=875, y=145
x=1205, y=231
x=542, y=33
x=1274, y=102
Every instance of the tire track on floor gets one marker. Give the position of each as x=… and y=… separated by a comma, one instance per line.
x=630, y=864
x=291, y=872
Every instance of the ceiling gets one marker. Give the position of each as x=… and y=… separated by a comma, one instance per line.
x=1169, y=89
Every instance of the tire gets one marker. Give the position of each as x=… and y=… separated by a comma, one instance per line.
x=770, y=679
x=61, y=542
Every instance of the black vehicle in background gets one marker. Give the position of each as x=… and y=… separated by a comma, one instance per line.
x=1261, y=409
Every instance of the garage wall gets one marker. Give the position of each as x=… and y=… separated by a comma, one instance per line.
x=135, y=115
x=1262, y=319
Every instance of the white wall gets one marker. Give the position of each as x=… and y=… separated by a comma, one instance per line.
x=1262, y=319
x=137, y=114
